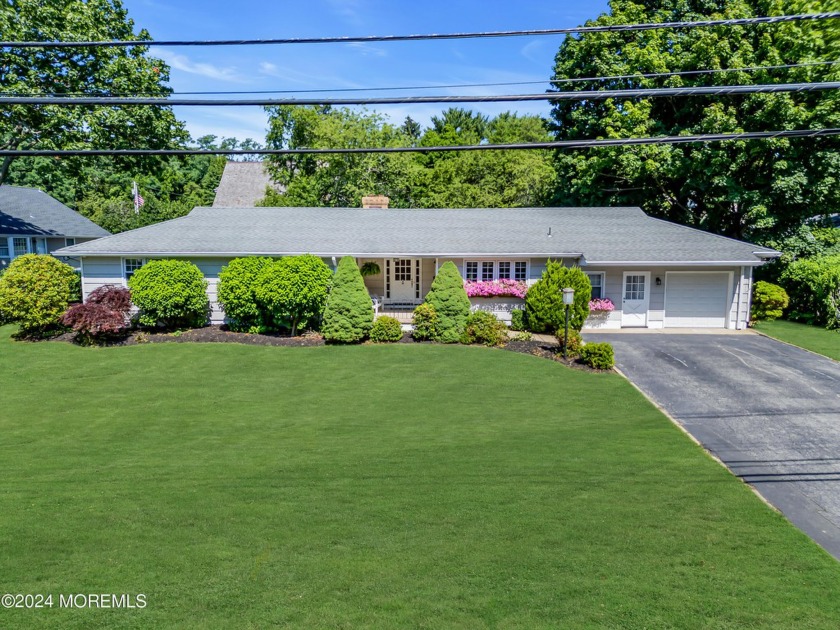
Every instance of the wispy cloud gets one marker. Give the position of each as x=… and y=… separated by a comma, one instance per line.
x=209, y=70
x=533, y=51
x=304, y=78
x=349, y=10
x=366, y=50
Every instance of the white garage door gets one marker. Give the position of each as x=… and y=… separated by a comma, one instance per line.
x=696, y=300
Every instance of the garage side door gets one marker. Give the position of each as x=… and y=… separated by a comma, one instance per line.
x=696, y=300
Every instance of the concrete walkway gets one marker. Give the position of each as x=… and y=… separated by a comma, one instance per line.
x=769, y=411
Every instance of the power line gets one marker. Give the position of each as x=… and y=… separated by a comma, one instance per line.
x=583, y=95
x=776, y=19
x=559, y=144
x=648, y=75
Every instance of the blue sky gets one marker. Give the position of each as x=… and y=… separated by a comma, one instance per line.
x=331, y=66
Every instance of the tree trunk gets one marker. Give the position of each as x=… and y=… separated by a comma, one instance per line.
x=4, y=169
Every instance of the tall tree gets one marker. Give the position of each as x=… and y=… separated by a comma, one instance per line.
x=85, y=71
x=438, y=179
x=754, y=189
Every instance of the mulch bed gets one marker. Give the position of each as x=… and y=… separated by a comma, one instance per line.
x=220, y=334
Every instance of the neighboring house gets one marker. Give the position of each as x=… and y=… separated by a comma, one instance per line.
x=658, y=274
x=243, y=184
x=32, y=222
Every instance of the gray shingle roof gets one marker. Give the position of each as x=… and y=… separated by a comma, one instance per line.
x=242, y=185
x=599, y=234
x=29, y=211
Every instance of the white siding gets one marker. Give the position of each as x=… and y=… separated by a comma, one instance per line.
x=97, y=272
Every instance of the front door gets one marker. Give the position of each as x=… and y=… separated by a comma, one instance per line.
x=635, y=299
x=402, y=281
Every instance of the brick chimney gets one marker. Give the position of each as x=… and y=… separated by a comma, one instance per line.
x=375, y=201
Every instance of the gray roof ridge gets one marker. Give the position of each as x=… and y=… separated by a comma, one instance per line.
x=720, y=236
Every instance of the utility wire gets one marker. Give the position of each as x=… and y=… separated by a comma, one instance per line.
x=649, y=75
x=583, y=95
x=560, y=144
x=776, y=19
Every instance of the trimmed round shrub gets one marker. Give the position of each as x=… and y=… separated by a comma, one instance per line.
x=104, y=315
x=575, y=342
x=170, y=293
x=484, y=327
x=598, y=355
x=348, y=316
x=544, y=309
x=292, y=291
x=517, y=319
x=386, y=330
x=449, y=299
x=237, y=283
x=425, y=322
x=769, y=301
x=35, y=290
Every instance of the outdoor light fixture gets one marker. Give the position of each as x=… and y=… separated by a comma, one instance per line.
x=658, y=281
x=568, y=300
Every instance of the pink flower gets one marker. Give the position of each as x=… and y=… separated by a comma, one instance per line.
x=496, y=288
x=603, y=305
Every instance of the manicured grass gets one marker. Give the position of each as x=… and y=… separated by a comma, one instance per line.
x=813, y=338
x=375, y=486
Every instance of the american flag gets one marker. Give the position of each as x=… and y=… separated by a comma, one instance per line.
x=138, y=200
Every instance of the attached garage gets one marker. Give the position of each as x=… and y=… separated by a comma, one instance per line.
x=697, y=299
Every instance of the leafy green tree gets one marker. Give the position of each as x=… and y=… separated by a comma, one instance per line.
x=753, y=189
x=813, y=285
x=89, y=71
x=450, y=302
x=237, y=286
x=35, y=290
x=544, y=309
x=348, y=315
x=339, y=180
x=170, y=293
x=293, y=290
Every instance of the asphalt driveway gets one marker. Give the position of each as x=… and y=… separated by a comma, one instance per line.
x=769, y=411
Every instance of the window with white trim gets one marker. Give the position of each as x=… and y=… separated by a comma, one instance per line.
x=487, y=270
x=130, y=265
x=20, y=246
x=597, y=282
x=471, y=271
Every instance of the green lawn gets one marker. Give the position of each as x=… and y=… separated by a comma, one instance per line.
x=375, y=486
x=813, y=338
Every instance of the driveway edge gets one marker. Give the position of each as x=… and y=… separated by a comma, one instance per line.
x=685, y=431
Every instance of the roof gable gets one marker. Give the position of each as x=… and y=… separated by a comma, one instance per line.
x=32, y=212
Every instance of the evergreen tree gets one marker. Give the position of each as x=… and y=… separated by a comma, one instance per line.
x=348, y=316
x=544, y=309
x=450, y=302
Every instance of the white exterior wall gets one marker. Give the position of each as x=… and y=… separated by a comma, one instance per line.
x=99, y=271
x=739, y=301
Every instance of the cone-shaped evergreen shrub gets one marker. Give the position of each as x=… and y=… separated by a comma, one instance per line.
x=237, y=283
x=544, y=310
x=34, y=292
x=348, y=315
x=450, y=302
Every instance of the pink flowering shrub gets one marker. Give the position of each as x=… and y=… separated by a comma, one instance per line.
x=601, y=305
x=496, y=288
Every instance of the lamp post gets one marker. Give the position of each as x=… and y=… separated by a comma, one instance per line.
x=568, y=300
